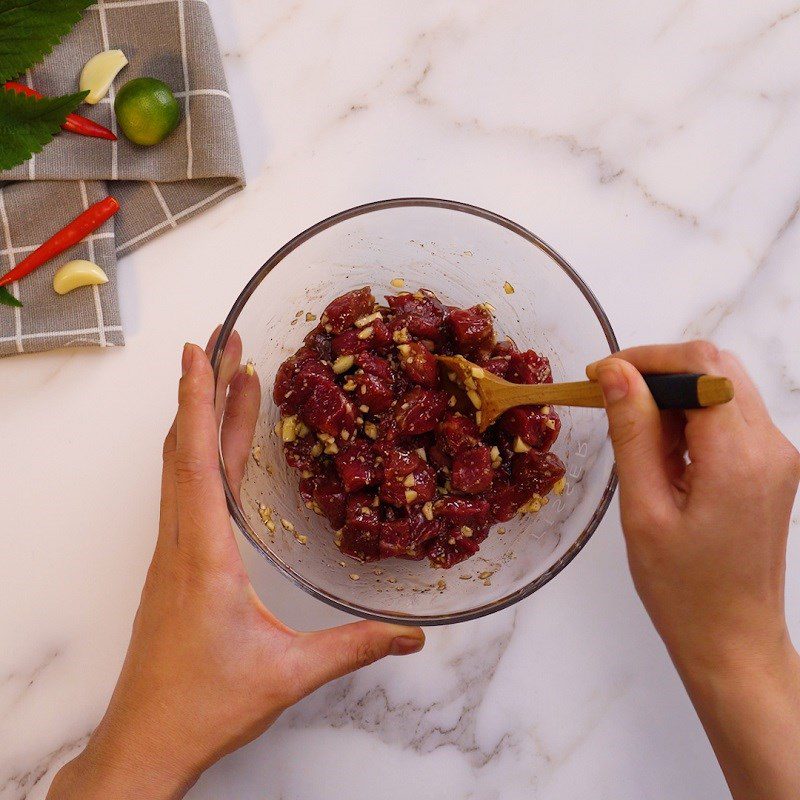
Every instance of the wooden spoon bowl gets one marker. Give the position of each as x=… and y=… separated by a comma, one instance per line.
x=491, y=396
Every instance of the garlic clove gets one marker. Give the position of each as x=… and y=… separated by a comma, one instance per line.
x=76, y=274
x=99, y=72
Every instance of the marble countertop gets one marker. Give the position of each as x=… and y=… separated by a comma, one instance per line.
x=655, y=146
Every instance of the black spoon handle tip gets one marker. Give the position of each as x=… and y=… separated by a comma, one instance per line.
x=689, y=390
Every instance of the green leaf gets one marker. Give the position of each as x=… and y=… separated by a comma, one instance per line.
x=8, y=299
x=28, y=124
x=30, y=29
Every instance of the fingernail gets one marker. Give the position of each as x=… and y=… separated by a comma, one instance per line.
x=186, y=358
x=405, y=645
x=591, y=370
x=613, y=382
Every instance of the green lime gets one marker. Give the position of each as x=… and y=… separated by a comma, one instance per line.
x=147, y=111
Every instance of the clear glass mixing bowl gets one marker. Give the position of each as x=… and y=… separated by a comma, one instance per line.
x=465, y=254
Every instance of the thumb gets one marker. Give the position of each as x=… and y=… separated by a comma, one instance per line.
x=634, y=424
x=329, y=654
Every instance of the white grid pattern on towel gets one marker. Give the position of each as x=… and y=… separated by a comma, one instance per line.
x=204, y=93
x=180, y=215
x=102, y=7
x=135, y=3
x=32, y=162
x=46, y=334
x=163, y=203
x=98, y=308
x=187, y=88
x=192, y=93
x=111, y=91
x=105, y=22
x=29, y=248
x=14, y=288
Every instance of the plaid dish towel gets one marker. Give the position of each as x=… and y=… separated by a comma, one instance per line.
x=158, y=187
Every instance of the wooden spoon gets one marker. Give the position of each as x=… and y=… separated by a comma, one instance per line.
x=491, y=396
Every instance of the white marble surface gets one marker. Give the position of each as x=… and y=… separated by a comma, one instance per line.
x=654, y=144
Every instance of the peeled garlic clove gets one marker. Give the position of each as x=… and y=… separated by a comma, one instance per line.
x=76, y=274
x=99, y=72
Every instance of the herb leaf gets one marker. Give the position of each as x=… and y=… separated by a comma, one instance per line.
x=29, y=29
x=28, y=124
x=8, y=299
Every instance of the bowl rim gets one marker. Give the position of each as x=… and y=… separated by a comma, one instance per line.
x=228, y=327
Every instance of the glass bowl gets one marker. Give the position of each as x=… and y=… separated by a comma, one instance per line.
x=466, y=255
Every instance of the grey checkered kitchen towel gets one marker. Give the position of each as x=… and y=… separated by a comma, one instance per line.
x=158, y=187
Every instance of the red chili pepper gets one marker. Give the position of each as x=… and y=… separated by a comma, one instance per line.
x=74, y=123
x=90, y=220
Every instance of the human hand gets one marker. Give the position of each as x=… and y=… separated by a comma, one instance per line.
x=706, y=540
x=208, y=668
x=706, y=544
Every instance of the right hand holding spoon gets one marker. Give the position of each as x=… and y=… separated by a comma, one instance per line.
x=706, y=539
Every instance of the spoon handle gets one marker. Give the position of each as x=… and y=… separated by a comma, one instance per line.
x=676, y=390
x=689, y=390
